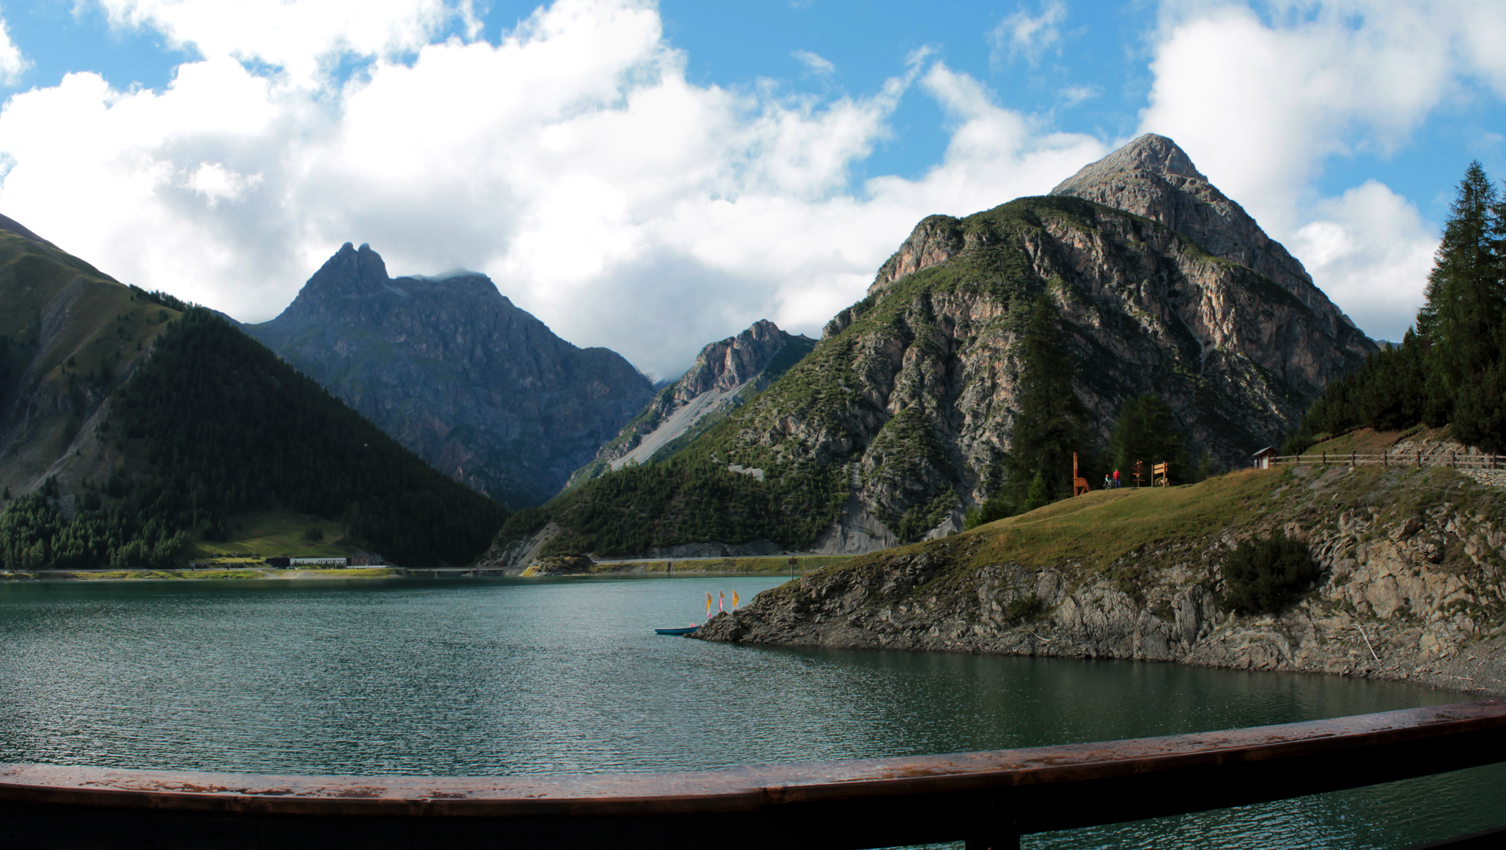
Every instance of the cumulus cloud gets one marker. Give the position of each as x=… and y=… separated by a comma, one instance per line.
x=1261, y=104
x=298, y=36
x=571, y=161
x=1370, y=250
x=1027, y=35
x=12, y=63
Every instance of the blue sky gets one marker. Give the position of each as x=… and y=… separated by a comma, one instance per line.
x=650, y=177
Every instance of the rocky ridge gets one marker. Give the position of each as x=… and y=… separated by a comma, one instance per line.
x=1412, y=588
x=455, y=372
x=723, y=375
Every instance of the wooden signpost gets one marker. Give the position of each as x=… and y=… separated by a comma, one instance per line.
x=1079, y=484
x=1159, y=475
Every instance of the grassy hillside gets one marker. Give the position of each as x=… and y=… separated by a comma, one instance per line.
x=68, y=336
x=1107, y=533
x=209, y=429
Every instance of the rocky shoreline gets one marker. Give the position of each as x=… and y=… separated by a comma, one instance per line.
x=1412, y=587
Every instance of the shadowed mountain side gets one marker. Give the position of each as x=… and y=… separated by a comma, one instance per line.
x=449, y=367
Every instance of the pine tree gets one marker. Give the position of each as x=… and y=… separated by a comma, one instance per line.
x=1465, y=299
x=1146, y=432
x=1049, y=425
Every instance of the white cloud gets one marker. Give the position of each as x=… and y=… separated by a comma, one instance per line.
x=1263, y=104
x=1370, y=249
x=815, y=63
x=12, y=63
x=573, y=163
x=298, y=36
x=1073, y=95
x=1023, y=34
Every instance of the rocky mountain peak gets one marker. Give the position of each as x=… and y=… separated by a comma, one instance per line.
x=1148, y=156
x=479, y=388
x=732, y=362
x=350, y=273
x=1153, y=177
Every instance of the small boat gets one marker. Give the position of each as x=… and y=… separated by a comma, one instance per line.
x=683, y=630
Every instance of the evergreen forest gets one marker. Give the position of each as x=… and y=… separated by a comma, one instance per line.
x=213, y=425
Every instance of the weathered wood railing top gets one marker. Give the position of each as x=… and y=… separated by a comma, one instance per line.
x=984, y=798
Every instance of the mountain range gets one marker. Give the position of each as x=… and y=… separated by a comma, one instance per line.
x=888, y=428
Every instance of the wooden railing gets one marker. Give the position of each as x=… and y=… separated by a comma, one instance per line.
x=986, y=799
x=1450, y=459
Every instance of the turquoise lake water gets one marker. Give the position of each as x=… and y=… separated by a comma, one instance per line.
x=506, y=677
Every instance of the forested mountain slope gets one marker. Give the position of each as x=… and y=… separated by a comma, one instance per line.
x=131, y=426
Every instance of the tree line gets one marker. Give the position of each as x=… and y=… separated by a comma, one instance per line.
x=1450, y=367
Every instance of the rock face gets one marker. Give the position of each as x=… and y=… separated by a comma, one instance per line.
x=448, y=366
x=1154, y=178
x=723, y=375
x=1403, y=594
x=1182, y=297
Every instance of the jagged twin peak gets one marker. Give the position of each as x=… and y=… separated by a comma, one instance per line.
x=718, y=382
x=448, y=366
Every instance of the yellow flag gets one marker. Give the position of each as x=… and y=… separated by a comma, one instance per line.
x=734, y=600
x=708, y=603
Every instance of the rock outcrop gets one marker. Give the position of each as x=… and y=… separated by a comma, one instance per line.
x=455, y=372
x=724, y=374
x=1413, y=561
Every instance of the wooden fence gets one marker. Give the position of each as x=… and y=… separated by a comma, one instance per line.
x=986, y=799
x=1454, y=460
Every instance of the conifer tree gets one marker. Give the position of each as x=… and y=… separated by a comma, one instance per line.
x=1462, y=316
x=1049, y=425
x=1146, y=432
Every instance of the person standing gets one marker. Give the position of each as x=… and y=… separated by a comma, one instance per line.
x=1116, y=479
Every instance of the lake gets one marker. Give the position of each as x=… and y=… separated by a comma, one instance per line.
x=509, y=677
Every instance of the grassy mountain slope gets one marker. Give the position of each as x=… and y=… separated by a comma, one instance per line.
x=69, y=335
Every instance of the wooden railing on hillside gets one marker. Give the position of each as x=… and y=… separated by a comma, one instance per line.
x=985, y=799
x=1450, y=459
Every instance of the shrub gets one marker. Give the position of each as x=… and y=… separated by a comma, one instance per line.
x=1024, y=609
x=1265, y=576
x=993, y=508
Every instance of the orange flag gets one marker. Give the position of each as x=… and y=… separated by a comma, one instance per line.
x=708, y=604
x=734, y=600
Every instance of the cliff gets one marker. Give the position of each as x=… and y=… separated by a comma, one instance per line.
x=455, y=372
x=1411, y=586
